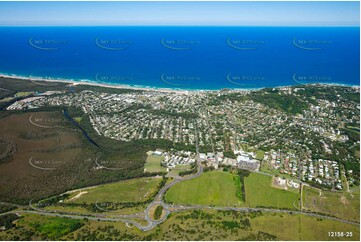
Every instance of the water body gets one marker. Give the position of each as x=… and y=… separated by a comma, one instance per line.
x=73, y=122
x=207, y=58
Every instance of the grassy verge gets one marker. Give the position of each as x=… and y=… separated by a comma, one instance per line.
x=212, y=188
x=341, y=204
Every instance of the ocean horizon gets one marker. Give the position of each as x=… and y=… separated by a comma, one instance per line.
x=184, y=58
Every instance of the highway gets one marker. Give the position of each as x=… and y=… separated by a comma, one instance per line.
x=169, y=208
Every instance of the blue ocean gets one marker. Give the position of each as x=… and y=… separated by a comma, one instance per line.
x=202, y=58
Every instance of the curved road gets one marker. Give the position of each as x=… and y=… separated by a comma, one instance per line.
x=158, y=201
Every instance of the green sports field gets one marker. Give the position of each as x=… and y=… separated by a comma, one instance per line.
x=153, y=164
x=212, y=188
x=259, y=193
x=134, y=190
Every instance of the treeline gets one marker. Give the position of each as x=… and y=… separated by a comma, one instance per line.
x=353, y=134
x=229, y=154
x=208, y=168
x=158, y=212
x=106, y=233
x=5, y=208
x=329, y=93
x=260, y=236
x=242, y=174
x=7, y=220
x=277, y=100
x=19, y=85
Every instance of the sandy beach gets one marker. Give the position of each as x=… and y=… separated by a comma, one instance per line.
x=43, y=81
x=89, y=83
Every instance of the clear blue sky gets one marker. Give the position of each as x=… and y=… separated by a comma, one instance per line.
x=181, y=13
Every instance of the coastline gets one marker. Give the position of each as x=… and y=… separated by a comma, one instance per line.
x=116, y=86
x=148, y=88
x=88, y=83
